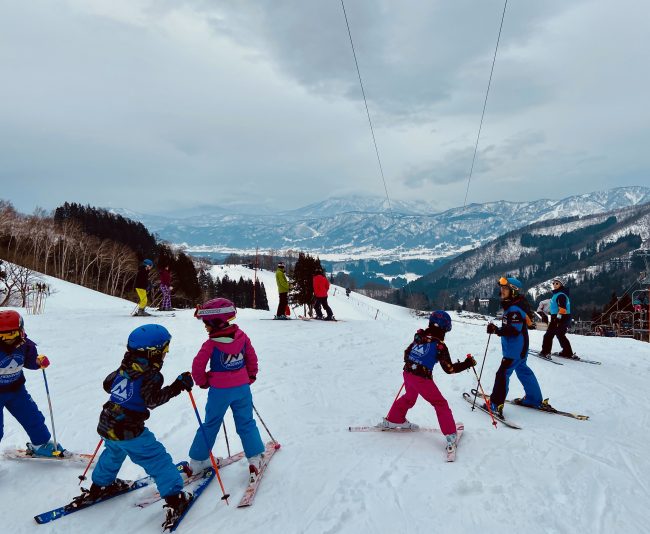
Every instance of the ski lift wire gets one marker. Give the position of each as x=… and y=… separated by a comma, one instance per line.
x=365, y=101
x=487, y=93
x=480, y=128
x=374, y=139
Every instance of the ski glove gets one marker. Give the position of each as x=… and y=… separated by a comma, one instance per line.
x=463, y=366
x=493, y=329
x=251, y=378
x=42, y=361
x=185, y=381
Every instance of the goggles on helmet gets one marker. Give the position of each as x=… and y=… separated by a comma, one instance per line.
x=199, y=313
x=11, y=335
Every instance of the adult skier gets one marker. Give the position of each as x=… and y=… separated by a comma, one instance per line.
x=232, y=363
x=17, y=351
x=135, y=388
x=560, y=311
x=427, y=349
x=514, y=346
x=321, y=286
x=283, y=292
x=142, y=285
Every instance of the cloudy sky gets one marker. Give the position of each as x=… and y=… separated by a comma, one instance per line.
x=158, y=105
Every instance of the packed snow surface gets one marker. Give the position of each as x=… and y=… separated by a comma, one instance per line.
x=557, y=475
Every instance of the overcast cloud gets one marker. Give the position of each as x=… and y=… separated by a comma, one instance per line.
x=161, y=105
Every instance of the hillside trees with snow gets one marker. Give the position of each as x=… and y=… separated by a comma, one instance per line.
x=91, y=247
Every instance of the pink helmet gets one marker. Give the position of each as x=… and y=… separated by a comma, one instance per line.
x=216, y=312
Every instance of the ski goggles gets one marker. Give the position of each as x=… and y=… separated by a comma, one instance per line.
x=503, y=281
x=11, y=335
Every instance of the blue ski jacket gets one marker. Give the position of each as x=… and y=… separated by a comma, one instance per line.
x=513, y=331
x=12, y=362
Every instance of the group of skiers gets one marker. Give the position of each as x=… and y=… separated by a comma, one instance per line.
x=320, y=286
x=428, y=348
x=143, y=286
x=135, y=388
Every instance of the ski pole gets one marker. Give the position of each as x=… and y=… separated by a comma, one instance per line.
x=92, y=458
x=264, y=425
x=56, y=451
x=488, y=404
x=481, y=373
x=225, y=433
x=205, y=437
x=400, y=390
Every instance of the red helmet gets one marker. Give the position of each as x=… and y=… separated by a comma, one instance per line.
x=216, y=312
x=11, y=325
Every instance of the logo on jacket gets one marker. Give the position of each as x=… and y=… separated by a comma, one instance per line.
x=9, y=369
x=232, y=362
x=122, y=391
x=418, y=352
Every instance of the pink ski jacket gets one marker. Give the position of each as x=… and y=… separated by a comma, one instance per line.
x=230, y=358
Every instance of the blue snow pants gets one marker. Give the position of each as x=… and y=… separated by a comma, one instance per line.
x=148, y=453
x=20, y=404
x=240, y=400
x=525, y=376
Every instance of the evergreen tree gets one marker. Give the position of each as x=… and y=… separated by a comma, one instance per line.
x=301, y=278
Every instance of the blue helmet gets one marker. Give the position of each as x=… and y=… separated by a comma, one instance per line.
x=440, y=319
x=152, y=338
x=147, y=263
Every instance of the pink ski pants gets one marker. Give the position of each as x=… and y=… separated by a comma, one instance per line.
x=417, y=385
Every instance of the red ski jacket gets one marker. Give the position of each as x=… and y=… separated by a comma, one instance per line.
x=321, y=286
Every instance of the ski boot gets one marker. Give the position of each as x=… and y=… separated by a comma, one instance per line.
x=545, y=355
x=97, y=493
x=524, y=402
x=496, y=410
x=385, y=424
x=254, y=466
x=176, y=505
x=46, y=449
x=198, y=466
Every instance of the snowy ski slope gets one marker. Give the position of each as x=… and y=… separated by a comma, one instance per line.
x=557, y=475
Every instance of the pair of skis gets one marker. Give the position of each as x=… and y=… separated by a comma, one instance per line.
x=479, y=403
x=451, y=451
x=171, y=524
x=574, y=357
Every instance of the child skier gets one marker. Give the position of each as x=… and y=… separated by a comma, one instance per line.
x=135, y=388
x=514, y=346
x=165, y=276
x=17, y=351
x=427, y=349
x=232, y=369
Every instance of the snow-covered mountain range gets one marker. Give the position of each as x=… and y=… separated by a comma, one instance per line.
x=364, y=226
x=576, y=247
